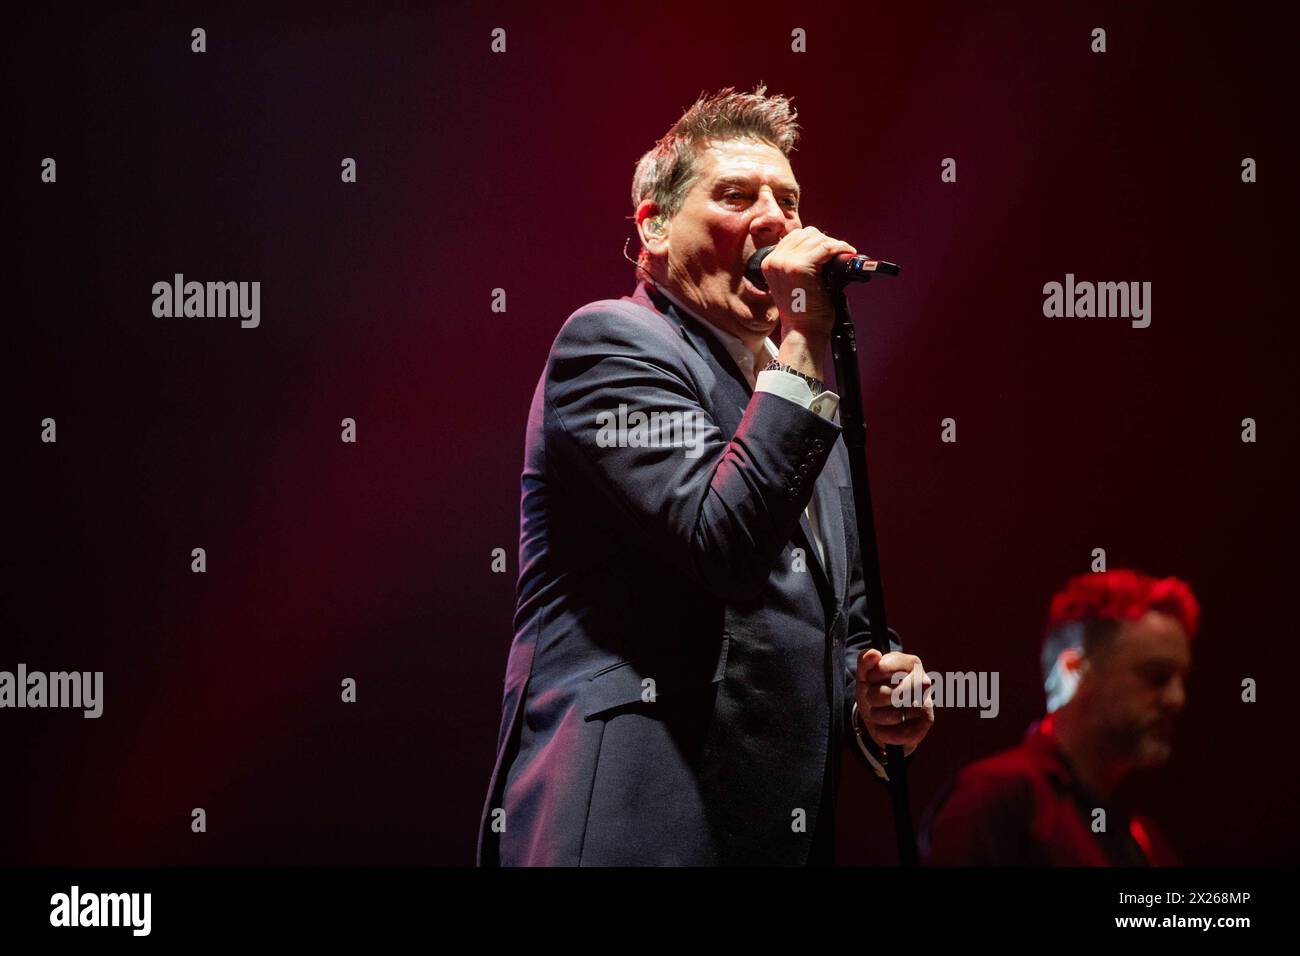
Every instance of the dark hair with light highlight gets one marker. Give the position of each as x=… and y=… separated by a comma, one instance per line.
x=666, y=173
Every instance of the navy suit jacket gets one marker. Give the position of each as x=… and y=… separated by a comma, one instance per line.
x=679, y=685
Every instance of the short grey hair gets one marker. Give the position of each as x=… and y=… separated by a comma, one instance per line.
x=667, y=172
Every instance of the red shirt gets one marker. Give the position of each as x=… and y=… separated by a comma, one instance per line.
x=1026, y=807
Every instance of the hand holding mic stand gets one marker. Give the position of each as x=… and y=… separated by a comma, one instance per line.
x=839, y=271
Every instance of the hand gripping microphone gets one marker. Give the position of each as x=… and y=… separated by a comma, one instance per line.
x=839, y=268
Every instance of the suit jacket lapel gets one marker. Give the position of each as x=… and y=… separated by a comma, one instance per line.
x=731, y=394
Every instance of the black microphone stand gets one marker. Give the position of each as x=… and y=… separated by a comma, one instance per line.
x=844, y=351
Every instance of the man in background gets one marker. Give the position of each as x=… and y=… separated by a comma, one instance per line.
x=1115, y=662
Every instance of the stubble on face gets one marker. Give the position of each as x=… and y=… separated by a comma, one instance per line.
x=1140, y=715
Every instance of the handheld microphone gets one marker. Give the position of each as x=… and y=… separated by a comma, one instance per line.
x=840, y=268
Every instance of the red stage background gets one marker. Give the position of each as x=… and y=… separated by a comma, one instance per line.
x=479, y=171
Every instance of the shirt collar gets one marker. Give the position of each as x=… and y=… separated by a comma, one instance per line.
x=736, y=348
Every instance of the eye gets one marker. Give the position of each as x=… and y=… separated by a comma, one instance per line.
x=791, y=202
x=1158, y=676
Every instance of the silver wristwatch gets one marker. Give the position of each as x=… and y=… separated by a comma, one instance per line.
x=816, y=385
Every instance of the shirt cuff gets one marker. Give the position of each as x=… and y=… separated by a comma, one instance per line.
x=859, y=735
x=796, y=390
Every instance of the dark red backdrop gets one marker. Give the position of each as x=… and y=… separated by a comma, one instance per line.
x=479, y=171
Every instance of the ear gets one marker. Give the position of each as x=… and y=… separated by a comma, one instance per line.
x=1064, y=679
x=653, y=227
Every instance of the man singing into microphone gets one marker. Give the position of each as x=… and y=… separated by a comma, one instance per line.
x=690, y=639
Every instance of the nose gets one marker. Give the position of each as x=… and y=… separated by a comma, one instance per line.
x=769, y=223
x=1175, y=696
